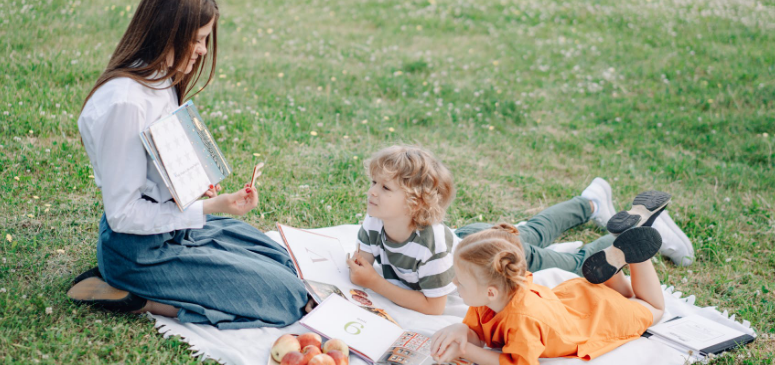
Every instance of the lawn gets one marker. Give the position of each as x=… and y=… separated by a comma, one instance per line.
x=526, y=101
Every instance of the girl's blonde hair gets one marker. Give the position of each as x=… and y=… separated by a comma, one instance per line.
x=425, y=180
x=496, y=257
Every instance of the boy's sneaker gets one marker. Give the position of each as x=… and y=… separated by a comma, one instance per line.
x=645, y=209
x=600, y=193
x=675, y=244
x=631, y=247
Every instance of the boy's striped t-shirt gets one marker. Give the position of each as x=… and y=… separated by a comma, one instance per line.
x=423, y=262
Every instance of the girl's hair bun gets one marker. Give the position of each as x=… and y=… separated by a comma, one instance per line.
x=510, y=265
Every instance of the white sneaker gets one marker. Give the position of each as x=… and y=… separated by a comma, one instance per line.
x=675, y=244
x=600, y=192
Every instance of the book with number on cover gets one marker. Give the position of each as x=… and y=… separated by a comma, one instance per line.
x=369, y=336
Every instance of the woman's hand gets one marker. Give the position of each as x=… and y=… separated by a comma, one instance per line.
x=237, y=203
x=213, y=191
x=449, y=343
x=362, y=272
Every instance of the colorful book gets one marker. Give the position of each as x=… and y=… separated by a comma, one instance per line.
x=185, y=154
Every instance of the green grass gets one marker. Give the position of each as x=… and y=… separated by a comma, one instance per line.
x=526, y=101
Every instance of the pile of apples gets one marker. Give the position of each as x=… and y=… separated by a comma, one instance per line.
x=309, y=349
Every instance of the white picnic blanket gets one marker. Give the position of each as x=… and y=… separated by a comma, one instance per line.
x=252, y=346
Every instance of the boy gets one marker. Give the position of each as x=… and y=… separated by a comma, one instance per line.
x=409, y=195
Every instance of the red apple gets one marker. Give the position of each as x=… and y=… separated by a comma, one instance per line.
x=321, y=359
x=310, y=352
x=336, y=344
x=293, y=358
x=339, y=358
x=284, y=345
x=310, y=338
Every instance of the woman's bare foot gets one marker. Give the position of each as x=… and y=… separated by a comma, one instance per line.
x=158, y=308
x=310, y=306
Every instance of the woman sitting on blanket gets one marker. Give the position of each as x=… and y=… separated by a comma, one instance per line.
x=152, y=257
x=578, y=318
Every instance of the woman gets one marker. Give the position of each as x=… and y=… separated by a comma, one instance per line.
x=151, y=256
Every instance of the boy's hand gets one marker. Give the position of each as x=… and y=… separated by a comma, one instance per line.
x=362, y=272
x=449, y=343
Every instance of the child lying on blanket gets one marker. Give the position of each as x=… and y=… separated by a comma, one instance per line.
x=409, y=195
x=578, y=318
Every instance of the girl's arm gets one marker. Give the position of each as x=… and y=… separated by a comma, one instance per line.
x=458, y=340
x=481, y=355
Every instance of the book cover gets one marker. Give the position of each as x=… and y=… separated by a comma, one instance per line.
x=185, y=154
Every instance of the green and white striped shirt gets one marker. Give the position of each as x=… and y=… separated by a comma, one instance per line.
x=423, y=262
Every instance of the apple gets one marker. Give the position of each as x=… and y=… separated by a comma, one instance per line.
x=339, y=358
x=321, y=359
x=309, y=352
x=310, y=338
x=284, y=345
x=336, y=344
x=293, y=358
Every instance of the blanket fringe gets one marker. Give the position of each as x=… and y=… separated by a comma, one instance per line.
x=167, y=332
x=691, y=299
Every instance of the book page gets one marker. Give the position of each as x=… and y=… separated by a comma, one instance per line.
x=367, y=334
x=695, y=332
x=322, y=259
x=184, y=169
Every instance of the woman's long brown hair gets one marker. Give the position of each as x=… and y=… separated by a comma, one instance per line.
x=158, y=28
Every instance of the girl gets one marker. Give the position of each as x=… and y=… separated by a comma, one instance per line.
x=152, y=257
x=529, y=321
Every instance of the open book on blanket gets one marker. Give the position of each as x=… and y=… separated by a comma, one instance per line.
x=321, y=263
x=697, y=336
x=369, y=336
x=185, y=154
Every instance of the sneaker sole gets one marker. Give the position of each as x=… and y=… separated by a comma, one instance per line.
x=645, y=209
x=631, y=247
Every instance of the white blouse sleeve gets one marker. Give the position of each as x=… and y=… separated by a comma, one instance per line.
x=123, y=167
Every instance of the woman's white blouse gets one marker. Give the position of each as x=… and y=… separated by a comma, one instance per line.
x=110, y=125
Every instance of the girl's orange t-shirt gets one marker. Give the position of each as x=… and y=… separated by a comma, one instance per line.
x=575, y=319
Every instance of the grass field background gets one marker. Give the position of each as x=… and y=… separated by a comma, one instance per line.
x=525, y=101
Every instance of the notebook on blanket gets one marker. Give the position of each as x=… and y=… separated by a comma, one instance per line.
x=320, y=262
x=697, y=336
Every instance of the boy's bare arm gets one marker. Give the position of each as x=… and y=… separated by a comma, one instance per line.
x=410, y=299
x=365, y=256
x=362, y=273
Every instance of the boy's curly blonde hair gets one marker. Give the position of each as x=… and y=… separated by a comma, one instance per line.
x=425, y=180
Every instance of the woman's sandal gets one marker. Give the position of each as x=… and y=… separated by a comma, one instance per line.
x=89, y=288
x=633, y=246
x=645, y=209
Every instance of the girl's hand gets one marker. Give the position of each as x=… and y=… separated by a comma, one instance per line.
x=213, y=191
x=449, y=343
x=362, y=273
